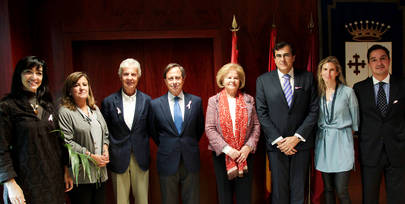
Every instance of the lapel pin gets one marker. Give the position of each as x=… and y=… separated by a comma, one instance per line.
x=396, y=101
x=189, y=104
x=118, y=111
x=298, y=87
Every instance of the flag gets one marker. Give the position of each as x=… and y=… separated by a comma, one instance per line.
x=316, y=182
x=312, y=55
x=273, y=36
x=234, y=52
x=271, y=67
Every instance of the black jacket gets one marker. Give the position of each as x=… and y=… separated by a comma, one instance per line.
x=30, y=153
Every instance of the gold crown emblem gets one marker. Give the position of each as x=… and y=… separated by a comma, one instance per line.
x=367, y=31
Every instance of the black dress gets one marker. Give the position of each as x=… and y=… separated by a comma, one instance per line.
x=29, y=152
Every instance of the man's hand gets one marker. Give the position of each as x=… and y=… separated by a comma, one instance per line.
x=287, y=145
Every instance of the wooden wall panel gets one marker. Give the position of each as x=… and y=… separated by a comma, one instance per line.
x=5, y=50
x=100, y=59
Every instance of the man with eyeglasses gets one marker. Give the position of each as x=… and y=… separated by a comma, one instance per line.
x=287, y=107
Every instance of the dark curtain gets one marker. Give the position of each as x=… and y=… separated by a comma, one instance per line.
x=101, y=59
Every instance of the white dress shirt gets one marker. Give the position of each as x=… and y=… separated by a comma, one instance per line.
x=170, y=98
x=282, y=80
x=129, y=105
x=386, y=88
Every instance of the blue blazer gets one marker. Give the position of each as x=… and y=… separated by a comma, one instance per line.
x=123, y=141
x=172, y=146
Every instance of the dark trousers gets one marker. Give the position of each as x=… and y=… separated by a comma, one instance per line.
x=240, y=187
x=190, y=186
x=394, y=181
x=289, y=176
x=339, y=182
x=87, y=194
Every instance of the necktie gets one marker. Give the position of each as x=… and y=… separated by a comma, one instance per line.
x=382, y=99
x=178, y=120
x=287, y=89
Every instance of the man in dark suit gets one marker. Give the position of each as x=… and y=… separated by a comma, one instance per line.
x=178, y=124
x=382, y=129
x=126, y=113
x=287, y=107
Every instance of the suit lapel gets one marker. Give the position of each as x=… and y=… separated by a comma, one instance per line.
x=394, y=89
x=164, y=105
x=187, y=110
x=277, y=84
x=120, y=108
x=370, y=93
x=297, y=83
x=138, y=109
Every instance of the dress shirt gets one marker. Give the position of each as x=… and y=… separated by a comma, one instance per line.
x=129, y=105
x=386, y=87
x=280, y=76
x=282, y=80
x=170, y=98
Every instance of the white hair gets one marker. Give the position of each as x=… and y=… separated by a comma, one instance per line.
x=129, y=63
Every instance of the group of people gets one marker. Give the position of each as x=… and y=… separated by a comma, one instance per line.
x=294, y=111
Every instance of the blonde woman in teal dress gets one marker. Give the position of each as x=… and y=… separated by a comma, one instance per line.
x=338, y=119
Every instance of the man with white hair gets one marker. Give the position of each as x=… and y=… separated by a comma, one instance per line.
x=126, y=113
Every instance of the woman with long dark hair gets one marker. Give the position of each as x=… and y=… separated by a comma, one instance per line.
x=32, y=157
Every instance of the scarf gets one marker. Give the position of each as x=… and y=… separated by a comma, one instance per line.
x=236, y=140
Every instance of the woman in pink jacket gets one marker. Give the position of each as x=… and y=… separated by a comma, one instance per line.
x=233, y=129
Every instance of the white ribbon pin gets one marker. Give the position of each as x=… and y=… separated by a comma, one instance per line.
x=189, y=105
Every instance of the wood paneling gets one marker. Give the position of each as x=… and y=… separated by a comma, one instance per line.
x=101, y=59
x=5, y=49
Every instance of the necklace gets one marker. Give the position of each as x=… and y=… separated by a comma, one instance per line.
x=34, y=108
x=329, y=116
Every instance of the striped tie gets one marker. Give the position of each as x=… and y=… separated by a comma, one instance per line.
x=287, y=89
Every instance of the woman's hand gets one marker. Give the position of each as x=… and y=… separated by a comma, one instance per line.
x=244, y=153
x=233, y=153
x=68, y=180
x=105, y=153
x=15, y=193
x=101, y=160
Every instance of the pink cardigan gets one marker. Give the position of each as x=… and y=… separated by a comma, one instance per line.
x=213, y=129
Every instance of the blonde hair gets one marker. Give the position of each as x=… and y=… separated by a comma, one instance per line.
x=339, y=79
x=225, y=70
x=67, y=99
